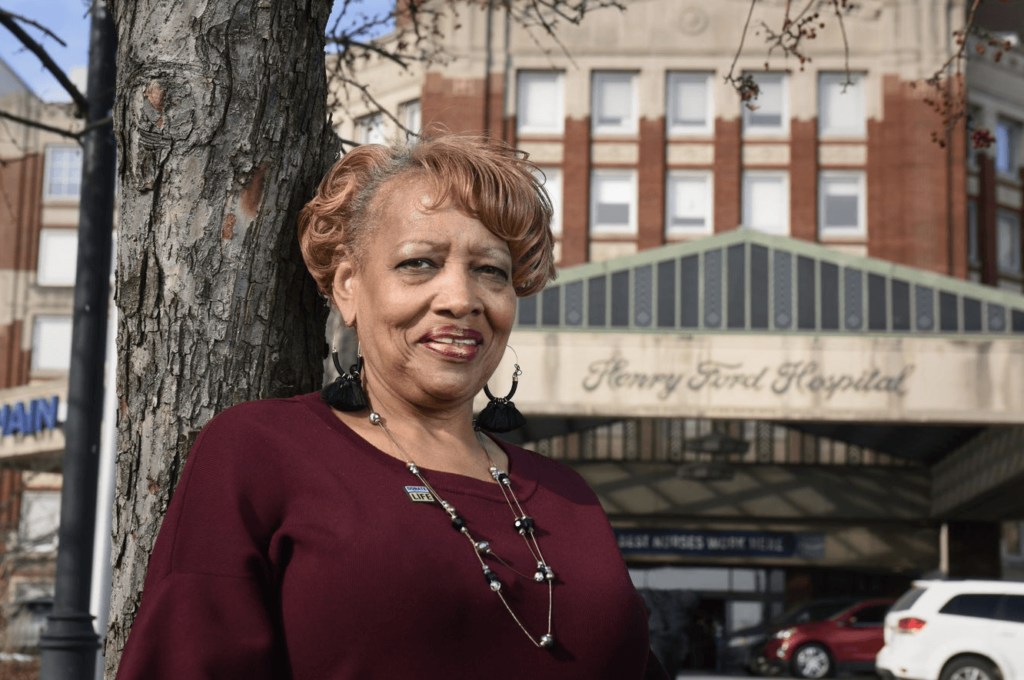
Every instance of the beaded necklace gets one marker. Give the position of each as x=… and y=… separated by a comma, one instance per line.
x=522, y=523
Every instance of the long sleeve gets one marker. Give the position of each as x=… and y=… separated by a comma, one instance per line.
x=208, y=609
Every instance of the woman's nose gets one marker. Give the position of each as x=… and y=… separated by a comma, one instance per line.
x=457, y=295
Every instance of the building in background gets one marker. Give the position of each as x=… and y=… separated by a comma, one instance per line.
x=40, y=175
x=702, y=243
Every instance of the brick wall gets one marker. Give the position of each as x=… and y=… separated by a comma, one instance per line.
x=908, y=177
x=576, y=192
x=727, y=169
x=651, y=184
x=803, y=179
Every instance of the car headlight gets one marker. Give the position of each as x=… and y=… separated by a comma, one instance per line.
x=784, y=634
x=745, y=640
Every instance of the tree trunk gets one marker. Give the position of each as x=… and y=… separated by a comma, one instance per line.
x=222, y=135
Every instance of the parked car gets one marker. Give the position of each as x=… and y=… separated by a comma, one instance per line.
x=955, y=630
x=744, y=648
x=848, y=640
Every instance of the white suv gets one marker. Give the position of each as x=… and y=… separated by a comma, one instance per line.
x=955, y=630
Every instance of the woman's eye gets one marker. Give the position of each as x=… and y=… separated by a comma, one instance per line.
x=496, y=271
x=417, y=263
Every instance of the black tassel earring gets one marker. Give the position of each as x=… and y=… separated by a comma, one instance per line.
x=346, y=392
x=500, y=414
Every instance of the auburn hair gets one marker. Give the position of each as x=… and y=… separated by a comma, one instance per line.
x=489, y=180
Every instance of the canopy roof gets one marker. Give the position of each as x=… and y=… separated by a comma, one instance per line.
x=744, y=281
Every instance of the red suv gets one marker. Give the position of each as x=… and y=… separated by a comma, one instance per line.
x=849, y=640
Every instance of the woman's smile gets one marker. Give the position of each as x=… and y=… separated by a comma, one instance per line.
x=453, y=342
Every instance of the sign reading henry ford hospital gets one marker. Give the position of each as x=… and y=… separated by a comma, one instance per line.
x=840, y=378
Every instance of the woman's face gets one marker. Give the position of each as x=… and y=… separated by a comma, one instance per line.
x=431, y=298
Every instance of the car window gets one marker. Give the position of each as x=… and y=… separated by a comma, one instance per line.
x=819, y=611
x=907, y=599
x=873, y=615
x=1013, y=608
x=978, y=606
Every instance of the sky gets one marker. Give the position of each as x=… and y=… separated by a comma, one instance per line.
x=69, y=20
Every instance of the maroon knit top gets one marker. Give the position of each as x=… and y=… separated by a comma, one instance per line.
x=291, y=549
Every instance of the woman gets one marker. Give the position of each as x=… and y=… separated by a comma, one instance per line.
x=397, y=540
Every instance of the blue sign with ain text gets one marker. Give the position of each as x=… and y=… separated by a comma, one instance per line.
x=29, y=417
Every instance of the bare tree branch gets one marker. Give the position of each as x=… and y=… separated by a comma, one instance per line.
x=82, y=106
x=49, y=128
x=26, y=20
x=789, y=39
x=418, y=36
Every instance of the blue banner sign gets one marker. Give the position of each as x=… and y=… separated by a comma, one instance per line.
x=29, y=417
x=685, y=543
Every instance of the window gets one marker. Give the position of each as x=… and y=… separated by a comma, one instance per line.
x=1007, y=141
x=51, y=343
x=412, y=119
x=613, y=104
x=841, y=113
x=766, y=201
x=870, y=616
x=540, y=103
x=58, y=255
x=770, y=114
x=371, y=129
x=907, y=600
x=1008, y=242
x=841, y=204
x=973, y=259
x=551, y=180
x=40, y=521
x=1013, y=608
x=690, y=109
x=63, y=172
x=978, y=606
x=689, y=204
x=613, y=202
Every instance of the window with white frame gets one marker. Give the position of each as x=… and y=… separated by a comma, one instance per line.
x=51, y=343
x=972, y=233
x=613, y=202
x=690, y=109
x=58, y=256
x=540, y=103
x=689, y=205
x=63, y=172
x=770, y=112
x=551, y=180
x=412, y=119
x=371, y=129
x=1007, y=143
x=613, y=103
x=841, y=210
x=1008, y=242
x=766, y=201
x=40, y=521
x=841, y=105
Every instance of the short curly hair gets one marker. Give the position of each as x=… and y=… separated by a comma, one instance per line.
x=489, y=180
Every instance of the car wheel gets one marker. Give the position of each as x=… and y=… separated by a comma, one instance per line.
x=813, y=661
x=970, y=668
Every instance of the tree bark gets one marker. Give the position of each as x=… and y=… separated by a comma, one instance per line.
x=223, y=135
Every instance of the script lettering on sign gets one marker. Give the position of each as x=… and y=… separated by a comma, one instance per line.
x=614, y=374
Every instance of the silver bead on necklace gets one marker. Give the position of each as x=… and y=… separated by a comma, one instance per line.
x=522, y=523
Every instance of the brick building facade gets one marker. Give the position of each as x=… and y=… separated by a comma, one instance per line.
x=40, y=174
x=820, y=149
